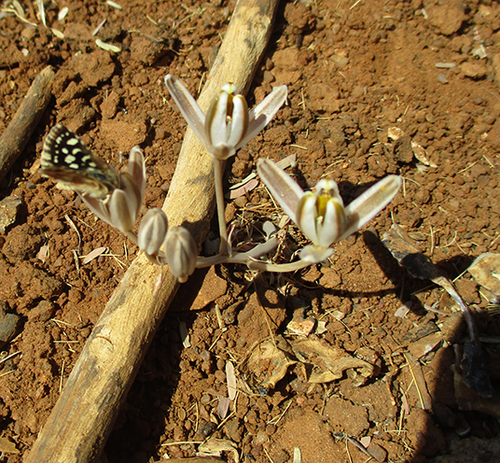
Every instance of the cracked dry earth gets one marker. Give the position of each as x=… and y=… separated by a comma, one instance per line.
x=356, y=72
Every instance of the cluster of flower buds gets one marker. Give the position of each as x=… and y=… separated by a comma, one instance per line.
x=121, y=207
x=175, y=246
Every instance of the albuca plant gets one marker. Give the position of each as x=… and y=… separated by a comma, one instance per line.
x=228, y=125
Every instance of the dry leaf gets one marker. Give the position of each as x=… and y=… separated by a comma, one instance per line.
x=323, y=363
x=223, y=407
x=424, y=397
x=267, y=363
x=107, y=46
x=486, y=271
x=93, y=254
x=43, y=253
x=7, y=446
x=232, y=388
x=214, y=447
x=425, y=345
x=421, y=155
x=394, y=133
x=243, y=189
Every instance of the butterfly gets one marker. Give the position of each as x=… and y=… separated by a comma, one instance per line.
x=73, y=166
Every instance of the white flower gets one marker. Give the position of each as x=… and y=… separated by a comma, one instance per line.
x=228, y=124
x=320, y=213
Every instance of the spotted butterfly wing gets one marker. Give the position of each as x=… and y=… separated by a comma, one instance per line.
x=73, y=166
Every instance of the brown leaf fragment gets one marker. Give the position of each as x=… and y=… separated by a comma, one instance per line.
x=323, y=363
x=214, y=447
x=486, y=271
x=7, y=446
x=267, y=363
x=425, y=345
x=425, y=399
x=378, y=452
x=421, y=155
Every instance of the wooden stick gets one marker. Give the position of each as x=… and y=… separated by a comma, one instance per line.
x=25, y=120
x=82, y=418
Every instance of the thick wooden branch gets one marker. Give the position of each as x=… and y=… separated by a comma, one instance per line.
x=83, y=416
x=24, y=122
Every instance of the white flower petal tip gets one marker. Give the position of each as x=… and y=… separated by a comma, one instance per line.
x=365, y=207
x=152, y=231
x=228, y=125
x=181, y=253
x=137, y=170
x=263, y=113
x=187, y=106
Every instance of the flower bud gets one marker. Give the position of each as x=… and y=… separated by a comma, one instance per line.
x=124, y=204
x=181, y=253
x=152, y=231
x=121, y=207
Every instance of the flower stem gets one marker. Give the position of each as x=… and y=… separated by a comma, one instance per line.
x=219, y=197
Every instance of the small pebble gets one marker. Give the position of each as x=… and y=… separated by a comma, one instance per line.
x=442, y=78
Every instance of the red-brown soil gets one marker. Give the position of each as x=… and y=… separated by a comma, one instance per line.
x=354, y=70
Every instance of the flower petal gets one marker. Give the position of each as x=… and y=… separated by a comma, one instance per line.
x=188, y=107
x=315, y=254
x=262, y=114
x=137, y=170
x=216, y=120
x=98, y=207
x=307, y=217
x=333, y=224
x=134, y=197
x=120, y=212
x=239, y=121
x=283, y=188
x=370, y=203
